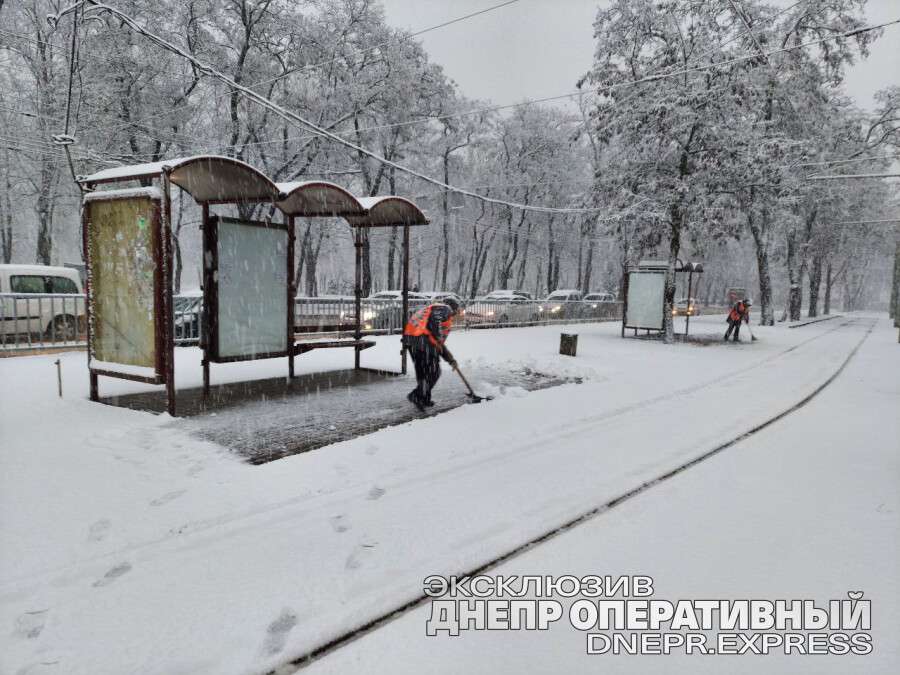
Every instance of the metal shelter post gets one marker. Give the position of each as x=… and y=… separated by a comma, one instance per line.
x=205, y=323
x=167, y=294
x=357, y=293
x=405, y=316
x=292, y=292
x=94, y=384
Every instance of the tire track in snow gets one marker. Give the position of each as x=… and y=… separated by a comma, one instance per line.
x=385, y=618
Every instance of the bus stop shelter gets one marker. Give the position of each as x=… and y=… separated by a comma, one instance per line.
x=248, y=266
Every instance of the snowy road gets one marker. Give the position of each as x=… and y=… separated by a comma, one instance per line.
x=130, y=546
x=805, y=508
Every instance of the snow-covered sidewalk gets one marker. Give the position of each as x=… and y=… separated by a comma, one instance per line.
x=128, y=546
x=806, y=508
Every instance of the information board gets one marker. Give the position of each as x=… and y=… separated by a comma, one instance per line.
x=646, y=299
x=123, y=267
x=251, y=289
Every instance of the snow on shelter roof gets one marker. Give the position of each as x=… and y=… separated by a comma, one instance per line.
x=388, y=210
x=318, y=199
x=207, y=178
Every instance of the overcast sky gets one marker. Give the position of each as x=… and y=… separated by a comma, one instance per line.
x=539, y=48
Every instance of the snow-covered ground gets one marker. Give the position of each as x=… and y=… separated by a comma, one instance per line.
x=127, y=545
x=806, y=508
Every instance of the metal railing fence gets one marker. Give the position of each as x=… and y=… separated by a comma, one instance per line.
x=49, y=320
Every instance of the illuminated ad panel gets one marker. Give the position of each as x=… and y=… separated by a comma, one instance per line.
x=251, y=289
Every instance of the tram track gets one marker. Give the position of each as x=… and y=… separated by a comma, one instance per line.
x=385, y=618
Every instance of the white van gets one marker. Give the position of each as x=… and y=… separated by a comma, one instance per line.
x=48, y=302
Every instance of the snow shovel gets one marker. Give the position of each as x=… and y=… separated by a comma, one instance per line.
x=752, y=336
x=472, y=395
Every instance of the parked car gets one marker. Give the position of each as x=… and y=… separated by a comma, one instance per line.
x=507, y=294
x=397, y=295
x=51, y=303
x=562, y=304
x=599, y=297
x=686, y=307
x=440, y=296
x=502, y=308
x=598, y=304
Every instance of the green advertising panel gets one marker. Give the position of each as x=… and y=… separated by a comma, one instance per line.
x=252, y=290
x=122, y=265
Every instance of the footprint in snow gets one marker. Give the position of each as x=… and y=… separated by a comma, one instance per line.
x=166, y=498
x=30, y=624
x=277, y=632
x=375, y=493
x=339, y=523
x=360, y=553
x=113, y=573
x=195, y=468
x=99, y=530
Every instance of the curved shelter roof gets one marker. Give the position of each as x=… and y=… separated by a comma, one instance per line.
x=388, y=210
x=207, y=178
x=318, y=199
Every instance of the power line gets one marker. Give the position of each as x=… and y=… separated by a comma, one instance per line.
x=849, y=161
x=855, y=176
x=315, y=66
x=493, y=108
x=867, y=222
x=27, y=38
x=297, y=119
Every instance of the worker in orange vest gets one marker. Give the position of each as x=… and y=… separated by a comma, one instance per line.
x=425, y=336
x=740, y=311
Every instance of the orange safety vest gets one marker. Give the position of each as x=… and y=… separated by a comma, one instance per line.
x=418, y=325
x=738, y=311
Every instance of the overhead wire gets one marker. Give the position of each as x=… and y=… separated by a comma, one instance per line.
x=221, y=147
x=424, y=120
x=324, y=133
x=309, y=67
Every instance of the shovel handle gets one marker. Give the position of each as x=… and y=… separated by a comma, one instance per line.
x=465, y=381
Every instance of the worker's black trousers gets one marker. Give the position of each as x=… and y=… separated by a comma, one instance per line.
x=427, y=363
x=733, y=326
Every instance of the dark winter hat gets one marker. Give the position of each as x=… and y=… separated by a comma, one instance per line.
x=452, y=303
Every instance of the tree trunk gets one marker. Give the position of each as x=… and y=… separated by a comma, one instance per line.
x=895, y=287
x=392, y=247
x=520, y=277
x=760, y=232
x=6, y=238
x=829, y=280
x=176, y=240
x=588, y=268
x=669, y=297
x=303, y=248
x=815, y=280
x=44, y=238
x=795, y=290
